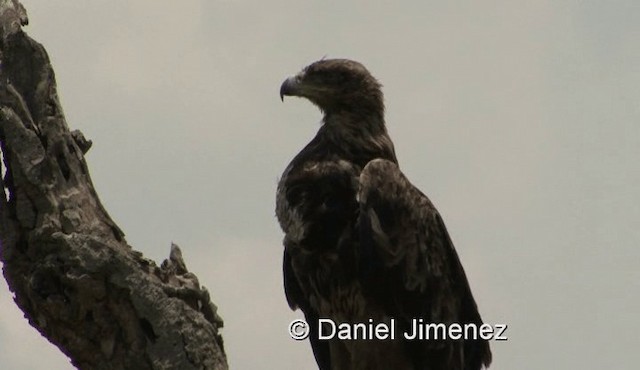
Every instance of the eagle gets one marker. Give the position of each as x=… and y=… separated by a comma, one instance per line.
x=362, y=244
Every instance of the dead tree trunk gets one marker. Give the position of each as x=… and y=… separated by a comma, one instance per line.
x=75, y=277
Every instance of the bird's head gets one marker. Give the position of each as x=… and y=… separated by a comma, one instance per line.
x=337, y=85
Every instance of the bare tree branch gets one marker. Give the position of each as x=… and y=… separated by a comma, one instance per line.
x=75, y=277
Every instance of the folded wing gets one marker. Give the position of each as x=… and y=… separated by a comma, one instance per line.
x=409, y=265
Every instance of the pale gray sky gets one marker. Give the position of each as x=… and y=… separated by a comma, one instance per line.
x=521, y=121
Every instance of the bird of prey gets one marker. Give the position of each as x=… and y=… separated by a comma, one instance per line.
x=362, y=244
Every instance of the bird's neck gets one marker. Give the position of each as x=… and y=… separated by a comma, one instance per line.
x=359, y=137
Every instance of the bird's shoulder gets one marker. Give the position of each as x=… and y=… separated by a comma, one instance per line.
x=311, y=185
x=382, y=180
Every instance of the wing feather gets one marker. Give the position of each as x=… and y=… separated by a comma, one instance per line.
x=296, y=298
x=410, y=264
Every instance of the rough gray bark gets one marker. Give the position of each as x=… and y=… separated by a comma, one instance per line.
x=73, y=274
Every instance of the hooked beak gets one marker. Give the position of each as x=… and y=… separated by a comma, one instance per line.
x=289, y=87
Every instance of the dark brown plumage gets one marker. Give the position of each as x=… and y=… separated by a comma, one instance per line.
x=361, y=242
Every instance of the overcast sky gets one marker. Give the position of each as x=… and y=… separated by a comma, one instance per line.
x=521, y=121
